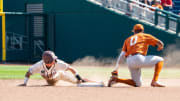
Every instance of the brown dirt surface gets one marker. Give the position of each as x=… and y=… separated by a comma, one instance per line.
x=37, y=91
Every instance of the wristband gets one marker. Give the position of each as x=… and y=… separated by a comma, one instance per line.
x=78, y=77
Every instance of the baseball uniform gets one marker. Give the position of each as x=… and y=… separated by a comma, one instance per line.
x=55, y=73
x=135, y=49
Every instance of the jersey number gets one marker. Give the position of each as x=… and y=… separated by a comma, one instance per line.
x=133, y=40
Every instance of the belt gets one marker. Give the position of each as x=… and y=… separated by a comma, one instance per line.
x=134, y=54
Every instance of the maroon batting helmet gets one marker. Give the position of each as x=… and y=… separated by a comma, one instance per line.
x=48, y=57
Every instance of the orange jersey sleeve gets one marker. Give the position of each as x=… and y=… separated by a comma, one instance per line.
x=138, y=43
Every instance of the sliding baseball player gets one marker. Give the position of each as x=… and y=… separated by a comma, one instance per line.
x=52, y=70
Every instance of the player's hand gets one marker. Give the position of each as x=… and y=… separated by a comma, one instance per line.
x=81, y=81
x=22, y=84
x=159, y=48
x=160, y=45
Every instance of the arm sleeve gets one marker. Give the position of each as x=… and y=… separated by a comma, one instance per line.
x=124, y=47
x=119, y=60
x=35, y=68
x=151, y=40
x=62, y=65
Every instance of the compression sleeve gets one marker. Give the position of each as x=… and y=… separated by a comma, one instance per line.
x=119, y=60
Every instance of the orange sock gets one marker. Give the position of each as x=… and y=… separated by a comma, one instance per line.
x=157, y=71
x=126, y=81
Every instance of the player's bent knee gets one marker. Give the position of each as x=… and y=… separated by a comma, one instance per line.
x=138, y=84
x=161, y=59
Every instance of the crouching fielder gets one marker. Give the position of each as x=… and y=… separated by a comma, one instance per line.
x=53, y=70
x=135, y=49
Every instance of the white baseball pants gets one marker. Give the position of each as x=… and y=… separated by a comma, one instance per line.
x=138, y=61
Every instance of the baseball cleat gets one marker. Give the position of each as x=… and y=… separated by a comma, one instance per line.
x=157, y=84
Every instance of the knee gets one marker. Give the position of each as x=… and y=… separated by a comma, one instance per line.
x=161, y=59
x=138, y=84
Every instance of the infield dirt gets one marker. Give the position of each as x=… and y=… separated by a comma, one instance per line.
x=37, y=91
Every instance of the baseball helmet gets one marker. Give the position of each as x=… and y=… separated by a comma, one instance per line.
x=138, y=27
x=48, y=57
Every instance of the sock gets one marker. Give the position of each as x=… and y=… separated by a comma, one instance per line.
x=157, y=71
x=127, y=81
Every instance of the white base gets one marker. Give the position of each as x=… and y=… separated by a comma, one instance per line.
x=91, y=84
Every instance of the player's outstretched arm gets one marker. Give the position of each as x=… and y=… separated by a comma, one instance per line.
x=27, y=76
x=114, y=73
x=119, y=60
x=78, y=77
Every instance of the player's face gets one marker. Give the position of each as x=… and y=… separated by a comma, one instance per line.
x=49, y=65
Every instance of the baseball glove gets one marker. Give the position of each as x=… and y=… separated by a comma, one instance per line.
x=114, y=73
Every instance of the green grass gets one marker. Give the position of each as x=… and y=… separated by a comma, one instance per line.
x=18, y=72
x=14, y=72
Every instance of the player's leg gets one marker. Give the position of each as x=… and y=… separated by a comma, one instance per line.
x=126, y=81
x=158, y=68
x=136, y=76
x=134, y=62
x=157, y=71
x=158, y=63
x=114, y=79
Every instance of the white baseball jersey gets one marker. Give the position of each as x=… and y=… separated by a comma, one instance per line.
x=50, y=73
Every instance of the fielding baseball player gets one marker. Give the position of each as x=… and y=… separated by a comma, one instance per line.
x=52, y=70
x=135, y=49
